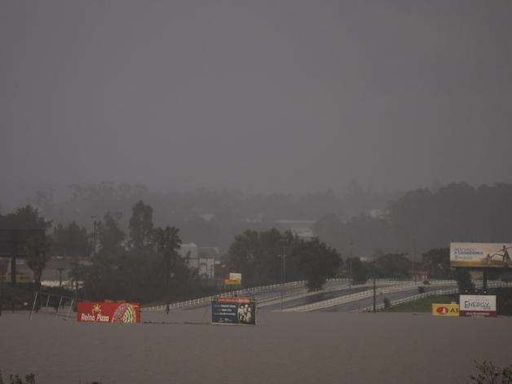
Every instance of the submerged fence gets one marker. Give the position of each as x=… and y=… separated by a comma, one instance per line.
x=448, y=291
x=52, y=304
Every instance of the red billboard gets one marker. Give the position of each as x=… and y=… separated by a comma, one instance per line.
x=108, y=312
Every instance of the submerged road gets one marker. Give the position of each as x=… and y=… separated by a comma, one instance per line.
x=283, y=348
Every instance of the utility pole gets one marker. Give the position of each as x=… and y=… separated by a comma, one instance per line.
x=94, y=227
x=283, y=276
x=374, y=270
x=374, y=294
x=60, y=269
x=350, y=263
x=3, y=271
x=1, y=292
x=413, y=258
x=14, y=254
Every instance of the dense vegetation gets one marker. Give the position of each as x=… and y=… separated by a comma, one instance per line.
x=423, y=219
x=206, y=217
x=270, y=256
x=357, y=222
x=133, y=254
x=144, y=265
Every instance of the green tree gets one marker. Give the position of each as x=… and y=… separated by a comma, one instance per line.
x=27, y=223
x=317, y=261
x=359, y=271
x=110, y=235
x=437, y=262
x=71, y=240
x=464, y=282
x=488, y=373
x=395, y=265
x=168, y=243
x=265, y=257
x=141, y=225
x=36, y=249
x=26, y=217
x=258, y=256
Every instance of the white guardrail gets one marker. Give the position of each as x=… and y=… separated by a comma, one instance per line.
x=328, y=288
x=450, y=291
x=383, y=286
x=248, y=291
x=205, y=300
x=263, y=289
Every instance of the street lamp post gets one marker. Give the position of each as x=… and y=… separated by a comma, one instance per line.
x=283, y=276
x=374, y=294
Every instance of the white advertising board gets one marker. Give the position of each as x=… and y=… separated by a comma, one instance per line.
x=477, y=305
x=480, y=255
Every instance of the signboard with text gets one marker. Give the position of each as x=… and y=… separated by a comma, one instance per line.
x=235, y=279
x=480, y=255
x=233, y=310
x=477, y=305
x=445, y=310
x=108, y=312
x=235, y=276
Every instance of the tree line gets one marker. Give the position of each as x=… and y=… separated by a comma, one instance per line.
x=422, y=219
x=206, y=217
x=144, y=264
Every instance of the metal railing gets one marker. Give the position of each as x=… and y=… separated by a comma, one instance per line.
x=450, y=291
x=384, y=285
x=247, y=291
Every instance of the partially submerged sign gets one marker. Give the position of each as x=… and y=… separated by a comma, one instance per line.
x=108, y=312
x=478, y=305
x=235, y=279
x=480, y=255
x=445, y=310
x=233, y=310
x=235, y=276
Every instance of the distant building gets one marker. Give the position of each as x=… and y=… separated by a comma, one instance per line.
x=378, y=213
x=200, y=259
x=301, y=228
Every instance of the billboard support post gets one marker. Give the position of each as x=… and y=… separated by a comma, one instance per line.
x=1, y=292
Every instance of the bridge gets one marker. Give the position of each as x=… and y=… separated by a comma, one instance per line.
x=337, y=295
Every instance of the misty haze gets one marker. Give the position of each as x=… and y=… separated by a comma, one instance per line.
x=327, y=177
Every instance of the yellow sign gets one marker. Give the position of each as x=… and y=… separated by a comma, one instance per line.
x=445, y=310
x=232, y=282
x=21, y=278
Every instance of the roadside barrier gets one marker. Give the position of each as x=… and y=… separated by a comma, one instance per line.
x=274, y=292
x=241, y=292
x=450, y=291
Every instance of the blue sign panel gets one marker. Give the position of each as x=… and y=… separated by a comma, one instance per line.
x=233, y=310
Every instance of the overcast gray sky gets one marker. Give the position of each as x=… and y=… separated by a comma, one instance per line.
x=258, y=95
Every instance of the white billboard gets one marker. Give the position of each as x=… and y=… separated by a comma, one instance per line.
x=481, y=255
x=235, y=276
x=477, y=305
